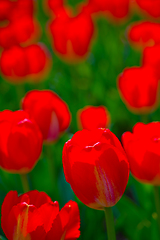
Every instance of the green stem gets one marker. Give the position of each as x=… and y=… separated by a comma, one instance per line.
x=110, y=223
x=20, y=92
x=52, y=172
x=25, y=183
x=144, y=118
x=157, y=203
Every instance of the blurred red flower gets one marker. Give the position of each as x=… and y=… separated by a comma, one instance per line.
x=71, y=41
x=91, y=117
x=115, y=8
x=143, y=34
x=150, y=7
x=18, y=32
x=151, y=57
x=20, y=142
x=96, y=167
x=17, y=22
x=54, y=5
x=143, y=150
x=14, y=10
x=32, y=62
x=138, y=88
x=5, y=9
x=49, y=111
x=33, y=215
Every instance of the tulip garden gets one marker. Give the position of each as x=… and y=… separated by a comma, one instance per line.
x=79, y=119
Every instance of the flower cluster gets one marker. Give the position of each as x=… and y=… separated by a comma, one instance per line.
x=138, y=86
x=19, y=32
x=95, y=163
x=70, y=40
x=33, y=215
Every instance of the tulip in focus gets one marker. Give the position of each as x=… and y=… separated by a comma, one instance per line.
x=33, y=216
x=20, y=142
x=91, y=117
x=71, y=41
x=49, y=111
x=142, y=34
x=143, y=151
x=96, y=167
x=138, y=88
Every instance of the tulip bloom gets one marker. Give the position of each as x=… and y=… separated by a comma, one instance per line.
x=143, y=150
x=20, y=142
x=138, y=88
x=70, y=40
x=150, y=7
x=151, y=57
x=33, y=215
x=18, y=63
x=5, y=9
x=14, y=10
x=18, y=32
x=144, y=34
x=18, y=24
x=49, y=111
x=96, y=167
x=54, y=5
x=116, y=8
x=91, y=117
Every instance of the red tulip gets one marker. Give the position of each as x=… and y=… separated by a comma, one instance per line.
x=55, y=5
x=33, y=215
x=20, y=142
x=38, y=59
x=96, y=167
x=144, y=34
x=151, y=57
x=5, y=9
x=138, y=87
x=18, y=32
x=14, y=10
x=143, y=150
x=71, y=41
x=49, y=111
x=20, y=9
x=17, y=63
x=91, y=117
x=150, y=7
x=14, y=64
x=117, y=8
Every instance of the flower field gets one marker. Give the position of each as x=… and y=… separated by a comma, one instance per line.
x=79, y=119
